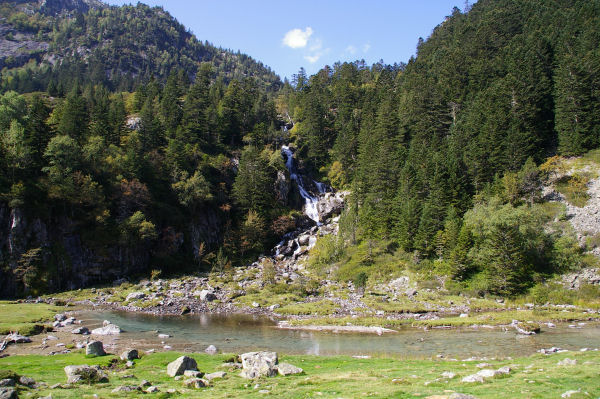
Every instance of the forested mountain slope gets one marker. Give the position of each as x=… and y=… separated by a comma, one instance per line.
x=453, y=136
x=64, y=41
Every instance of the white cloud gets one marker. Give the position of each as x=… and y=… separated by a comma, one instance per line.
x=366, y=47
x=351, y=49
x=297, y=38
x=316, y=45
x=312, y=58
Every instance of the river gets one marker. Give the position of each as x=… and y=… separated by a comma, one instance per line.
x=238, y=333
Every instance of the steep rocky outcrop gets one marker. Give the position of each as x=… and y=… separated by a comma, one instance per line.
x=64, y=259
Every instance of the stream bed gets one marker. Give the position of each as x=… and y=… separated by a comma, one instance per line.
x=233, y=333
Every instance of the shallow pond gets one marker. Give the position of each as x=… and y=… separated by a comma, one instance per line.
x=236, y=333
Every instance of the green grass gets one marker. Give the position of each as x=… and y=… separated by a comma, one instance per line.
x=326, y=377
x=483, y=318
x=320, y=308
x=25, y=318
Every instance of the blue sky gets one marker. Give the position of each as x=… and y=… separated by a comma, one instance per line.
x=288, y=35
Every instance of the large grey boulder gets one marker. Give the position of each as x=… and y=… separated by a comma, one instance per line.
x=216, y=375
x=179, y=365
x=259, y=364
x=85, y=374
x=108, y=329
x=95, y=348
x=288, y=369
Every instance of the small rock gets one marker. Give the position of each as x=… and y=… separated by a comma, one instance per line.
x=504, y=370
x=461, y=396
x=211, y=349
x=129, y=364
x=448, y=374
x=163, y=336
x=152, y=389
x=130, y=354
x=264, y=391
x=568, y=394
x=27, y=381
x=95, y=348
x=7, y=382
x=135, y=296
x=60, y=317
x=126, y=388
x=108, y=329
x=483, y=365
x=487, y=373
x=193, y=374
x=275, y=306
x=178, y=366
x=567, y=362
x=463, y=315
x=207, y=296
x=8, y=393
x=195, y=383
x=216, y=375
x=288, y=369
x=255, y=305
x=81, y=330
x=185, y=310
x=473, y=378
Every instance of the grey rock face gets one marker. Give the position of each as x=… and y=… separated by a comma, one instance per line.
x=179, y=365
x=259, y=364
x=95, y=348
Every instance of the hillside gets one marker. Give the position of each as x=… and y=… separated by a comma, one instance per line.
x=135, y=157
x=58, y=42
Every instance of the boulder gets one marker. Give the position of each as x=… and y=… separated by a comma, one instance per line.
x=8, y=393
x=193, y=374
x=526, y=328
x=85, y=374
x=27, y=381
x=179, y=365
x=259, y=364
x=60, y=317
x=288, y=369
x=81, y=330
x=207, y=296
x=473, y=378
x=135, y=296
x=448, y=374
x=17, y=338
x=7, y=382
x=152, y=389
x=130, y=354
x=211, y=349
x=126, y=388
x=95, y=348
x=216, y=375
x=567, y=362
x=195, y=383
x=108, y=329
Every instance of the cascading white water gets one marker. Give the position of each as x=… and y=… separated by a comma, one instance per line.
x=310, y=202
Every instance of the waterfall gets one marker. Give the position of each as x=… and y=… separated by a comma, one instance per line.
x=310, y=202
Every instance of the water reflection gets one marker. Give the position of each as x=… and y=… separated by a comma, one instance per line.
x=235, y=333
